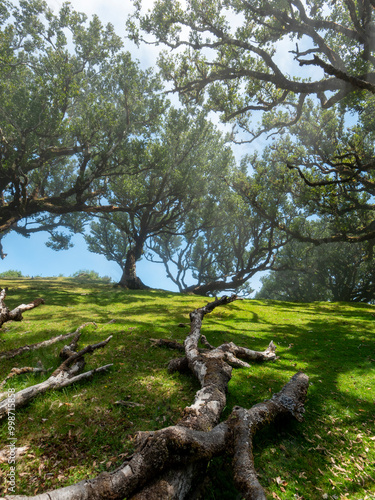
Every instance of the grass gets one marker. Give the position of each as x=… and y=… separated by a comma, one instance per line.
x=78, y=432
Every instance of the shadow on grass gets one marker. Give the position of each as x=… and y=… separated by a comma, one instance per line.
x=335, y=347
x=332, y=343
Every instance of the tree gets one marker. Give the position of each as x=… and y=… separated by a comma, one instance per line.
x=72, y=104
x=107, y=239
x=222, y=253
x=306, y=273
x=239, y=73
x=231, y=59
x=178, y=170
x=322, y=150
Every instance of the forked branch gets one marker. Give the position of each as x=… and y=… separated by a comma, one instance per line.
x=66, y=374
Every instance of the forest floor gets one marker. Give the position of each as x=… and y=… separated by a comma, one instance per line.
x=79, y=431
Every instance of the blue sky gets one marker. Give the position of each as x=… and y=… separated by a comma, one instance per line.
x=33, y=258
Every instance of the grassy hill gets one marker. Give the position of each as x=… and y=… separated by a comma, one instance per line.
x=78, y=431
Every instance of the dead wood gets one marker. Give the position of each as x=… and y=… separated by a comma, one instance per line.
x=204, y=341
x=45, y=343
x=66, y=374
x=171, y=344
x=20, y=371
x=244, y=423
x=16, y=314
x=167, y=462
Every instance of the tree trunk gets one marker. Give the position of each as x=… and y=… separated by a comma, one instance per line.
x=168, y=462
x=129, y=278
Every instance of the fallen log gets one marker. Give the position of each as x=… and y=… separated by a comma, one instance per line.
x=167, y=462
x=66, y=374
x=15, y=314
x=213, y=371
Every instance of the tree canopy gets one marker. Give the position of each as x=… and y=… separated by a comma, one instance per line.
x=320, y=149
x=271, y=67
x=178, y=170
x=232, y=52
x=72, y=104
x=337, y=272
x=85, y=132
x=229, y=242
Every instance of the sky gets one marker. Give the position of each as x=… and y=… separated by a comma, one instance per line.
x=30, y=255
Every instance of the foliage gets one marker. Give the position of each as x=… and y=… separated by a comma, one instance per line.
x=11, y=274
x=186, y=213
x=228, y=244
x=334, y=272
x=230, y=51
x=178, y=170
x=277, y=66
x=331, y=453
x=73, y=104
x=334, y=161
x=85, y=274
x=107, y=239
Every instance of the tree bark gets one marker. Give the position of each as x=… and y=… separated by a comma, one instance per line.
x=167, y=462
x=15, y=314
x=129, y=278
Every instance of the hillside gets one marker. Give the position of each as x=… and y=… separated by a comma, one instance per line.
x=79, y=431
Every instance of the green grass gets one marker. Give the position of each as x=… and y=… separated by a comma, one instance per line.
x=78, y=432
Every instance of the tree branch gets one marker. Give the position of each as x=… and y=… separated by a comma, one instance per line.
x=15, y=314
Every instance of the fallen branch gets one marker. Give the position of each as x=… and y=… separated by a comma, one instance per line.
x=66, y=374
x=45, y=343
x=166, y=448
x=244, y=423
x=20, y=371
x=16, y=314
x=167, y=462
x=229, y=352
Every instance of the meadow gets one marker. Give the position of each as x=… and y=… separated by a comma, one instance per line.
x=79, y=431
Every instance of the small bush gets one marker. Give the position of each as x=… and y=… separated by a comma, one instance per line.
x=11, y=274
x=86, y=275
